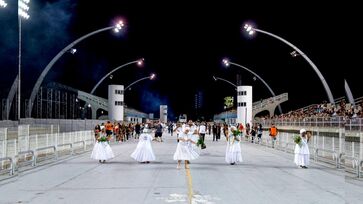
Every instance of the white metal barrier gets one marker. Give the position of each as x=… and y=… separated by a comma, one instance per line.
x=29, y=147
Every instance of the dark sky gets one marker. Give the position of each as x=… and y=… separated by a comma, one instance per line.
x=184, y=43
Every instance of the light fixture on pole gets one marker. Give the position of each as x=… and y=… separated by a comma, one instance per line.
x=23, y=9
x=251, y=30
x=3, y=3
x=151, y=77
x=139, y=62
x=38, y=83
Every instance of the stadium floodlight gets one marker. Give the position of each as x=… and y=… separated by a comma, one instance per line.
x=119, y=25
x=3, y=3
x=225, y=62
x=250, y=29
x=23, y=8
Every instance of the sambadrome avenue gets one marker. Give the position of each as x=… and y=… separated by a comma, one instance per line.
x=180, y=102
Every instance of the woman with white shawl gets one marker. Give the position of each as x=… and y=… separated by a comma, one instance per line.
x=233, y=150
x=302, y=153
x=102, y=150
x=185, y=149
x=144, y=152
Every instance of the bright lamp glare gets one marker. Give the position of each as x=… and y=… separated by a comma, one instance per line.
x=249, y=28
x=23, y=6
x=3, y=3
x=152, y=76
x=251, y=32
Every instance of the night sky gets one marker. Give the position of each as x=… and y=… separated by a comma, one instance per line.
x=184, y=44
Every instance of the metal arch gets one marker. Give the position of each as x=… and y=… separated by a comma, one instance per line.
x=322, y=79
x=136, y=82
x=263, y=81
x=12, y=92
x=54, y=60
x=214, y=77
x=108, y=74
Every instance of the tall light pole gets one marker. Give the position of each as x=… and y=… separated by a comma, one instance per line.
x=151, y=77
x=227, y=63
x=117, y=27
x=23, y=9
x=139, y=62
x=252, y=30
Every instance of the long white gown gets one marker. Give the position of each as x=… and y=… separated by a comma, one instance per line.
x=102, y=151
x=233, y=150
x=144, y=151
x=186, y=150
x=302, y=154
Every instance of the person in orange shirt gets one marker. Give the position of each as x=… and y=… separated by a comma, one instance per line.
x=273, y=134
x=109, y=128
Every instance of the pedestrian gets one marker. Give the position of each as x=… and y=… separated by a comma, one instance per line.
x=273, y=134
x=302, y=153
x=233, y=150
x=144, y=152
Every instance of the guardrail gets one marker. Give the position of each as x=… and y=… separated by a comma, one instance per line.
x=11, y=170
x=27, y=152
x=65, y=144
x=360, y=168
x=334, y=153
x=44, y=148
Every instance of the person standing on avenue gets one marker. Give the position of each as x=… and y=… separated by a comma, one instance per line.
x=202, y=130
x=273, y=134
x=233, y=150
x=184, y=150
x=144, y=152
x=102, y=150
x=302, y=153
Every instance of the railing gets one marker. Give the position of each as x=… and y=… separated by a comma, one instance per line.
x=30, y=148
x=360, y=168
x=32, y=161
x=11, y=170
x=44, y=148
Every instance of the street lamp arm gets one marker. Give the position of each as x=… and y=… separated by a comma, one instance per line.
x=227, y=82
x=54, y=60
x=256, y=75
x=322, y=79
x=127, y=87
x=112, y=71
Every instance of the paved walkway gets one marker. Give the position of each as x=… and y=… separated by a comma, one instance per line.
x=265, y=176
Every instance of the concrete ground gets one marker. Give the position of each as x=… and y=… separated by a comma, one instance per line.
x=265, y=176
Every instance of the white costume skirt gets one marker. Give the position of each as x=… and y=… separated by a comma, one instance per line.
x=102, y=151
x=233, y=153
x=185, y=151
x=143, y=152
x=302, y=159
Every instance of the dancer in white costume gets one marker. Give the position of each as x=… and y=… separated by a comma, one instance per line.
x=185, y=149
x=144, y=152
x=102, y=150
x=233, y=150
x=302, y=153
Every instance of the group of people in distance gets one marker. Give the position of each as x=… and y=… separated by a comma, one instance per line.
x=188, y=136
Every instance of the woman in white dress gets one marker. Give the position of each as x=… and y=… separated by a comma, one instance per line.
x=102, y=150
x=144, y=152
x=302, y=153
x=233, y=150
x=185, y=149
